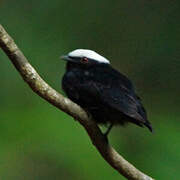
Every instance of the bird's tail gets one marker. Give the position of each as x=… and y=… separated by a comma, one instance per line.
x=149, y=126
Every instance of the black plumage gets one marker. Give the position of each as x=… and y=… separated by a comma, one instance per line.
x=105, y=93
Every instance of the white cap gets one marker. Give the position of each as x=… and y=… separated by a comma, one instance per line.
x=89, y=54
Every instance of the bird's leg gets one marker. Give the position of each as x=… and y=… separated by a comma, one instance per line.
x=108, y=130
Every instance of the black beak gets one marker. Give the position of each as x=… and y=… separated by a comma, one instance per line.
x=66, y=58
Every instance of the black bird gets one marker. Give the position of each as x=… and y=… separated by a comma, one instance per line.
x=102, y=91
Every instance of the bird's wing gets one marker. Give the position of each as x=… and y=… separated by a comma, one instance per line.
x=118, y=93
x=126, y=101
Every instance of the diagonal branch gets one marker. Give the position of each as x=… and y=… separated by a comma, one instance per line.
x=39, y=86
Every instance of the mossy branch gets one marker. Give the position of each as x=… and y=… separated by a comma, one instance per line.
x=39, y=86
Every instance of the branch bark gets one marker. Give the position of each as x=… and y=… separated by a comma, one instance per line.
x=39, y=86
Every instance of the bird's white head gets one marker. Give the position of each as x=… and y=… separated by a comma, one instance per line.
x=85, y=53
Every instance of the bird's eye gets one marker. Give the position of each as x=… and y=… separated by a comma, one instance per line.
x=84, y=60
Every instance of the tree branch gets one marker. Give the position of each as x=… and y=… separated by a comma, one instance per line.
x=39, y=86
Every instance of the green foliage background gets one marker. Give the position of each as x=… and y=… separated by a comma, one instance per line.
x=142, y=40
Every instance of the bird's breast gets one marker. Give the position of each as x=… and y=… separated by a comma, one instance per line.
x=86, y=73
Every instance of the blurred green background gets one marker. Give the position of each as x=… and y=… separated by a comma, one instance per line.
x=140, y=38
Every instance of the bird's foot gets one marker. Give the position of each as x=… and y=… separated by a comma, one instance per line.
x=108, y=129
x=107, y=132
x=106, y=138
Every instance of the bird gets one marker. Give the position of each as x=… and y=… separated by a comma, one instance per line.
x=102, y=91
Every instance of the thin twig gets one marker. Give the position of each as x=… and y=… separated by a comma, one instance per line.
x=39, y=86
